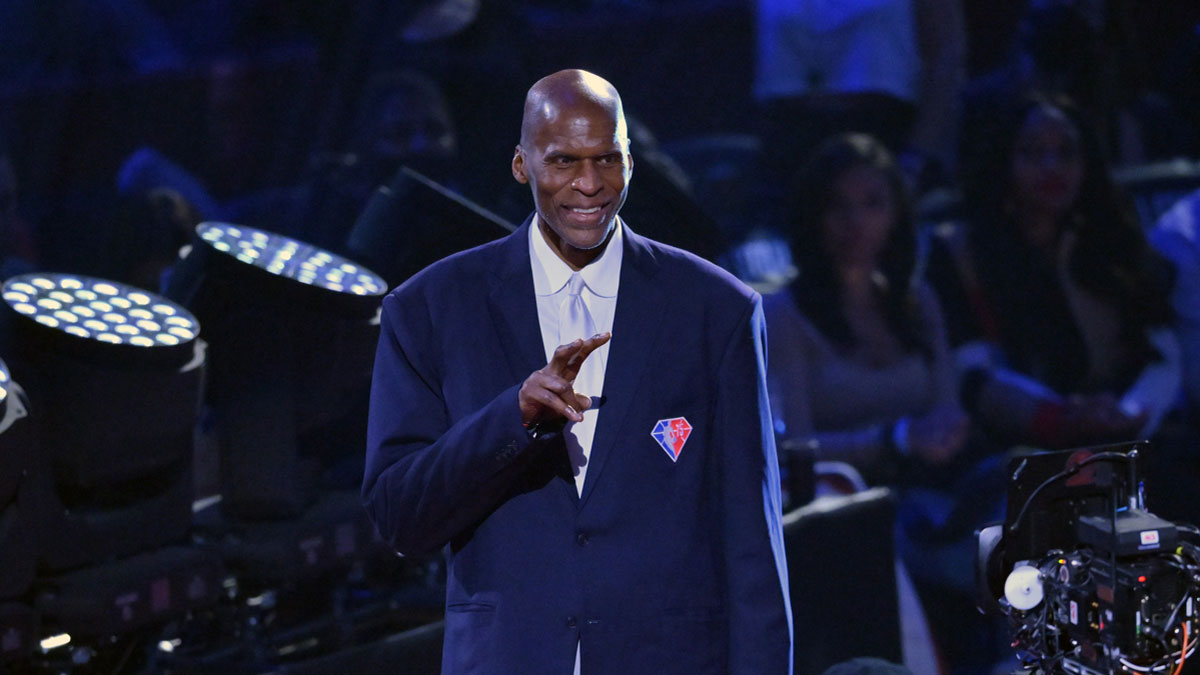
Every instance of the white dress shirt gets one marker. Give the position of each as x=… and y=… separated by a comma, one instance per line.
x=601, y=279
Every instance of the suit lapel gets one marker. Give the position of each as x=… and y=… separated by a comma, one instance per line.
x=514, y=308
x=635, y=333
x=514, y=313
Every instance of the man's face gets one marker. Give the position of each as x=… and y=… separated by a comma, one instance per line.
x=578, y=167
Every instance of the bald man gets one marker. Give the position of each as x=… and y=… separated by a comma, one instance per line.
x=578, y=416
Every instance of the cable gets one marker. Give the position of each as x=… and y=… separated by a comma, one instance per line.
x=1183, y=649
x=1069, y=471
x=1165, y=662
x=1171, y=618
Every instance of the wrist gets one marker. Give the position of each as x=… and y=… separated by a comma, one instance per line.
x=537, y=430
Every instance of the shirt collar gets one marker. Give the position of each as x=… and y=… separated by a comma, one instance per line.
x=550, y=273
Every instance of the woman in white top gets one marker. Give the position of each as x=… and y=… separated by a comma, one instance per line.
x=859, y=373
x=859, y=369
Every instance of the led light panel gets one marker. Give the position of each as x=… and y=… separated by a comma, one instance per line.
x=292, y=259
x=100, y=310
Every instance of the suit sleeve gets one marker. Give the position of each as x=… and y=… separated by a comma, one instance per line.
x=760, y=612
x=427, y=480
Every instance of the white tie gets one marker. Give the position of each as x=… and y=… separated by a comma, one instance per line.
x=574, y=319
x=575, y=322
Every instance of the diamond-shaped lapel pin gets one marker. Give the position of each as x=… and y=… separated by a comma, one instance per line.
x=671, y=434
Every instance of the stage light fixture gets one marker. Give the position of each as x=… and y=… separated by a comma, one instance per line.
x=13, y=457
x=291, y=258
x=5, y=379
x=17, y=456
x=76, y=312
x=326, y=279
x=292, y=330
x=113, y=375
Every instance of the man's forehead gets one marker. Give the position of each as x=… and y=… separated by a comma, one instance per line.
x=579, y=125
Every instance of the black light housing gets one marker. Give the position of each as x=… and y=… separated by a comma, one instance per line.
x=413, y=221
x=114, y=376
x=18, y=452
x=292, y=329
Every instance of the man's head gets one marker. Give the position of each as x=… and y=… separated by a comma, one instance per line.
x=574, y=154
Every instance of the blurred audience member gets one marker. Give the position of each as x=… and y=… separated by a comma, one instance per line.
x=1089, y=52
x=76, y=39
x=1175, y=473
x=402, y=120
x=145, y=240
x=860, y=372
x=1177, y=237
x=889, y=68
x=147, y=169
x=1057, y=303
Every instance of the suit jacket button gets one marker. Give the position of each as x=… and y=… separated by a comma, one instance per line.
x=581, y=539
x=570, y=622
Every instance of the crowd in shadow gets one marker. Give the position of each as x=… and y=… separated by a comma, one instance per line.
x=922, y=190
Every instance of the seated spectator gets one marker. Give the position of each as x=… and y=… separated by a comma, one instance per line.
x=145, y=239
x=1057, y=304
x=860, y=372
x=1089, y=52
x=403, y=120
x=1177, y=237
x=1176, y=472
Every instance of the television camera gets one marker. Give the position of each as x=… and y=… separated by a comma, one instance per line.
x=1091, y=582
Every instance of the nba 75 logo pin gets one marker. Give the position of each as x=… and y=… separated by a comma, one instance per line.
x=671, y=434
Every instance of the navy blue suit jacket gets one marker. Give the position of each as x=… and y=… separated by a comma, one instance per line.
x=660, y=566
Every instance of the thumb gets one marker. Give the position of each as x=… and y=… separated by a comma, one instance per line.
x=585, y=402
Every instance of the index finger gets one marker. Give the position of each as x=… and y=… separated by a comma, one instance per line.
x=569, y=357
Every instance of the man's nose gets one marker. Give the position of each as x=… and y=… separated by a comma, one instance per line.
x=587, y=180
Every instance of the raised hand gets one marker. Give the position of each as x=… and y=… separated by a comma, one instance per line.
x=549, y=394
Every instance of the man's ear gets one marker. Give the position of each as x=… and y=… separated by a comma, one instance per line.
x=518, y=165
